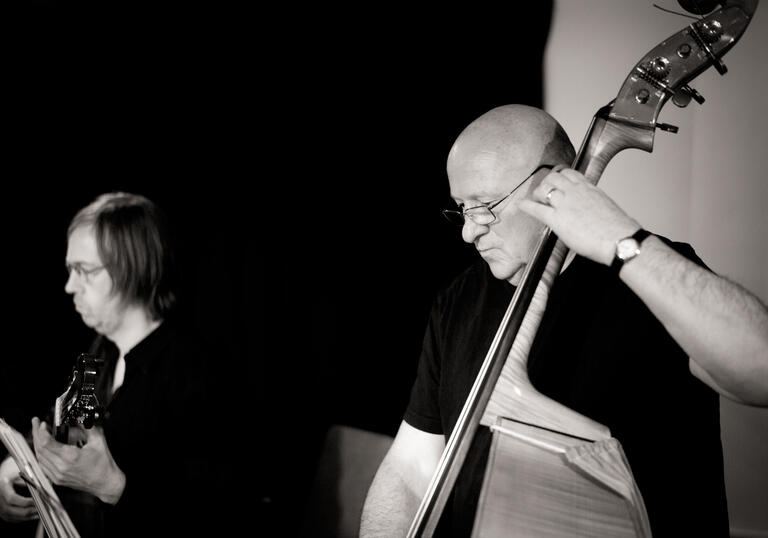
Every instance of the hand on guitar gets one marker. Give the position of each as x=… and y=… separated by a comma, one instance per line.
x=13, y=506
x=581, y=214
x=88, y=468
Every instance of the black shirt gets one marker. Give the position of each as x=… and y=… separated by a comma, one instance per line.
x=155, y=425
x=601, y=352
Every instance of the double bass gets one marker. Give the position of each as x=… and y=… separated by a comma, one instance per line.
x=565, y=455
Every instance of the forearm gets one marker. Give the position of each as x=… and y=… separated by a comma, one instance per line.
x=391, y=503
x=721, y=326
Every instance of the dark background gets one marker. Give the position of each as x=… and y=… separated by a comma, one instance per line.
x=302, y=164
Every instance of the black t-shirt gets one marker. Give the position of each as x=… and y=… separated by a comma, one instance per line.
x=601, y=352
x=158, y=429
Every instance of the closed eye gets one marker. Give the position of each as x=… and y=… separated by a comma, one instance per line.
x=481, y=204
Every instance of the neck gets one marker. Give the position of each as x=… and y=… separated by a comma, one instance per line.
x=135, y=326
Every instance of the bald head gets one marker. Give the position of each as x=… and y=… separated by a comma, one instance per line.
x=491, y=160
x=509, y=140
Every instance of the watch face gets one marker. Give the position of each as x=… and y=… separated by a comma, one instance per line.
x=627, y=248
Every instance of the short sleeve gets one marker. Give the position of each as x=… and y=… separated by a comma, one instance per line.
x=423, y=411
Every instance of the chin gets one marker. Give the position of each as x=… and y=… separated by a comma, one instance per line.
x=505, y=272
x=90, y=323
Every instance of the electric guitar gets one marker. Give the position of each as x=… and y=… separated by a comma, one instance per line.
x=78, y=404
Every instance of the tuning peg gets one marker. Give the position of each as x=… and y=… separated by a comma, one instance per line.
x=693, y=93
x=705, y=33
x=684, y=95
x=667, y=127
x=681, y=98
x=719, y=65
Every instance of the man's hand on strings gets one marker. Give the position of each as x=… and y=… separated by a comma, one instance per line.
x=88, y=468
x=581, y=214
x=14, y=507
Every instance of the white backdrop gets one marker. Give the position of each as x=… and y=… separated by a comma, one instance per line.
x=706, y=185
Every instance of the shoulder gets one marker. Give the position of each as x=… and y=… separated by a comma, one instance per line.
x=178, y=353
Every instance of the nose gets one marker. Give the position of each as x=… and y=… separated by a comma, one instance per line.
x=471, y=230
x=71, y=285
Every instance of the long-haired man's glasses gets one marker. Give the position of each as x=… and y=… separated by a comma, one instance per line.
x=82, y=272
x=483, y=214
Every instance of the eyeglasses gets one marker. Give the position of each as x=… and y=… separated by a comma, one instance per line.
x=82, y=272
x=482, y=214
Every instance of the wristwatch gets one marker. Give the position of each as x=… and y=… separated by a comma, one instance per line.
x=627, y=248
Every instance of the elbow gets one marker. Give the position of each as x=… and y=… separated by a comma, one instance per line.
x=756, y=396
x=743, y=379
x=758, y=375
x=751, y=388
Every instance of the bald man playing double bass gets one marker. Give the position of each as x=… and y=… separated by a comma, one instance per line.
x=641, y=342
